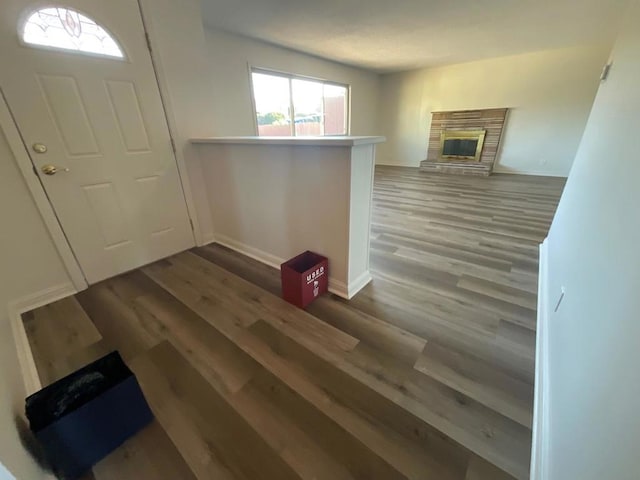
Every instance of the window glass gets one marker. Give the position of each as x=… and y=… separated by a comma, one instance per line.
x=335, y=110
x=289, y=105
x=67, y=29
x=308, y=104
x=273, y=105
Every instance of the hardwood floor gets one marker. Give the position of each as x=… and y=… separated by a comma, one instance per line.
x=426, y=374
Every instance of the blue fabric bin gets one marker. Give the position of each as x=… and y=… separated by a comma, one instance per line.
x=84, y=416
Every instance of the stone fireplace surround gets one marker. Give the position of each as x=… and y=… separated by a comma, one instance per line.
x=490, y=120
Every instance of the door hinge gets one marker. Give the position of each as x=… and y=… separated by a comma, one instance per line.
x=191, y=222
x=173, y=145
x=146, y=36
x=35, y=170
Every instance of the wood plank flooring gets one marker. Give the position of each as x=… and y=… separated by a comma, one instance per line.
x=426, y=374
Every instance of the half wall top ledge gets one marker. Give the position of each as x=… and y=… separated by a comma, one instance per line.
x=337, y=141
x=274, y=197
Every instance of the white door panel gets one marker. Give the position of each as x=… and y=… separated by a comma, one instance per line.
x=120, y=203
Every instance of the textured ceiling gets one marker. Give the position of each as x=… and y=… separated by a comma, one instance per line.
x=392, y=35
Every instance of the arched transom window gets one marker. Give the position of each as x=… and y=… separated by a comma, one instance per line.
x=57, y=27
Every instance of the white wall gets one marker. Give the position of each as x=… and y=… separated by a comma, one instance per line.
x=29, y=265
x=204, y=78
x=594, y=338
x=185, y=77
x=549, y=93
x=230, y=56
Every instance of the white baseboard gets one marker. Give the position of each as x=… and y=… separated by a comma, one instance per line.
x=403, y=165
x=359, y=283
x=531, y=173
x=540, y=441
x=249, y=251
x=16, y=309
x=206, y=239
x=336, y=287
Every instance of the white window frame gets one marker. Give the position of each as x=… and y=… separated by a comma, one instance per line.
x=291, y=77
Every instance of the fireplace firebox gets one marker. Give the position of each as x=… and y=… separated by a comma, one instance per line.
x=461, y=145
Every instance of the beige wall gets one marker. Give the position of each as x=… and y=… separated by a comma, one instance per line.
x=230, y=56
x=594, y=337
x=29, y=265
x=549, y=93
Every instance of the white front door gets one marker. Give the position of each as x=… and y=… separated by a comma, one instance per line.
x=96, y=131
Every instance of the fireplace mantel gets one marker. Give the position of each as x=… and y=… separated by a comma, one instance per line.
x=490, y=121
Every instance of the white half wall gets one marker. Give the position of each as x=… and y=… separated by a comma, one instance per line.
x=594, y=337
x=274, y=199
x=29, y=267
x=230, y=57
x=549, y=95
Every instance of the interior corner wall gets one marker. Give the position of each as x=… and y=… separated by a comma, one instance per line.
x=185, y=77
x=594, y=337
x=549, y=95
x=30, y=264
x=230, y=56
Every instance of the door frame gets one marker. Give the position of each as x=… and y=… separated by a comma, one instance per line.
x=31, y=178
x=38, y=193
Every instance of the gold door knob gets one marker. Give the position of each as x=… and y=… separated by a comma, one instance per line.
x=52, y=169
x=39, y=148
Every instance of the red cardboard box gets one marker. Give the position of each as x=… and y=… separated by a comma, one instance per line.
x=304, y=278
